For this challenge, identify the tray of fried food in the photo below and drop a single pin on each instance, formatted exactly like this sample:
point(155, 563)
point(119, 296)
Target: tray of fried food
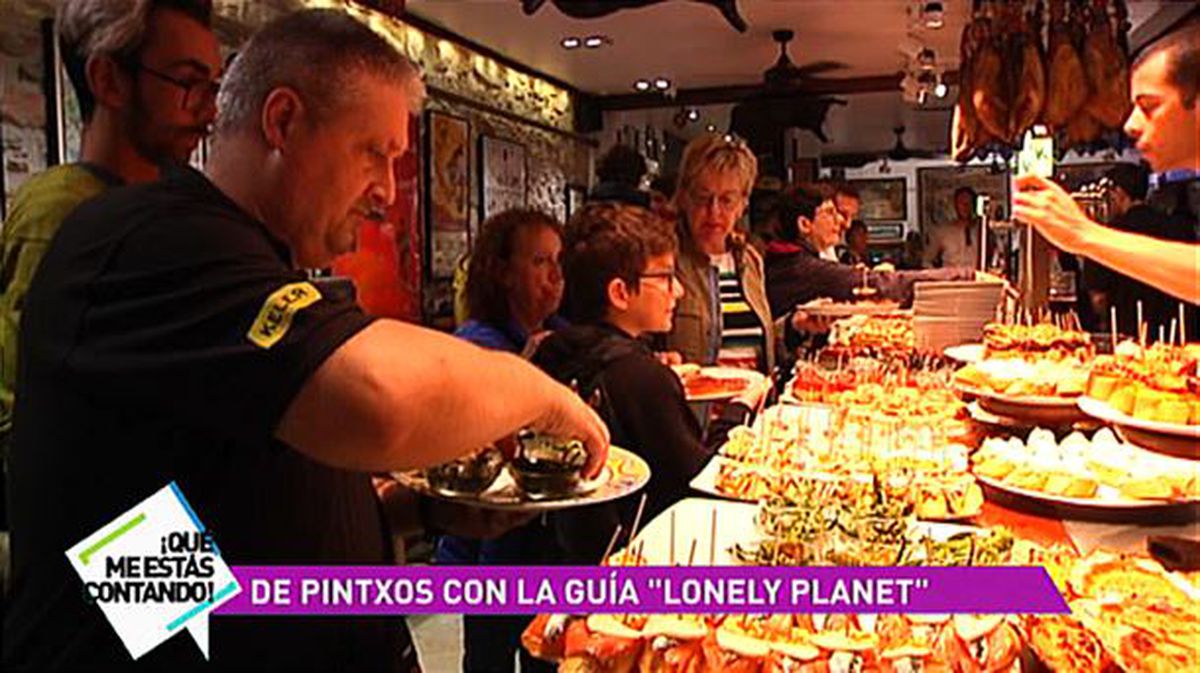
point(1043, 341)
point(873, 335)
point(1098, 471)
point(1159, 384)
point(1042, 382)
point(1146, 618)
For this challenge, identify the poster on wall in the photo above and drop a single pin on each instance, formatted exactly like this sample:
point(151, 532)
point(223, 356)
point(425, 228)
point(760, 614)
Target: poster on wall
point(448, 150)
point(936, 187)
point(882, 199)
point(502, 176)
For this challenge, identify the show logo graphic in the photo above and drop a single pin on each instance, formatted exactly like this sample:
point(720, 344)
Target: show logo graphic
point(153, 571)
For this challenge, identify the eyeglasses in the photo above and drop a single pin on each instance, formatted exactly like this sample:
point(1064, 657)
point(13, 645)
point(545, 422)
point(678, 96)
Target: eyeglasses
point(669, 275)
point(196, 92)
point(830, 208)
point(726, 201)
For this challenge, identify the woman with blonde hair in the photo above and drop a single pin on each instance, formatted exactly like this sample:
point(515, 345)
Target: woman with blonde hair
point(724, 315)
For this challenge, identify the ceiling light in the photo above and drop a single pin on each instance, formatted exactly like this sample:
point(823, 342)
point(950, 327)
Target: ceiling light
point(641, 85)
point(940, 90)
point(693, 115)
point(594, 41)
point(933, 14)
point(662, 83)
point(570, 43)
point(711, 128)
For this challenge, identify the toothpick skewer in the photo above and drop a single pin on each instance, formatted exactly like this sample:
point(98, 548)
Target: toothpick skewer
point(1182, 326)
point(712, 539)
point(692, 554)
point(1141, 326)
point(611, 543)
point(1174, 325)
point(1161, 333)
point(672, 555)
point(637, 519)
point(1112, 325)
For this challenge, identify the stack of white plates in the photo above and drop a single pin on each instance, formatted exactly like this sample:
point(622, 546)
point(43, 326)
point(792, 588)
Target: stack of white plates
point(954, 312)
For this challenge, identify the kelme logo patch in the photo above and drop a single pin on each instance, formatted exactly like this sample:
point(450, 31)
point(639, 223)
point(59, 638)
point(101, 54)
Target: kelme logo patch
point(275, 316)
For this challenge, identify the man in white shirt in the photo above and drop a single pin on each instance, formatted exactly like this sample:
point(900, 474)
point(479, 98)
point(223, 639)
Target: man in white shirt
point(957, 243)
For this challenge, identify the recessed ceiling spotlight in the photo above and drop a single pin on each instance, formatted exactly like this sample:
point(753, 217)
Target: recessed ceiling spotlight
point(570, 43)
point(662, 83)
point(711, 128)
point(940, 90)
point(594, 41)
point(693, 114)
point(642, 85)
point(933, 14)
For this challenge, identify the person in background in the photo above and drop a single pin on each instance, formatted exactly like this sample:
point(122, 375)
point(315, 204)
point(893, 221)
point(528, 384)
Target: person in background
point(145, 75)
point(723, 315)
point(621, 284)
point(856, 252)
point(619, 177)
point(514, 290)
point(171, 336)
point(849, 204)
point(1107, 288)
point(956, 244)
point(797, 274)
point(1165, 125)
point(913, 255)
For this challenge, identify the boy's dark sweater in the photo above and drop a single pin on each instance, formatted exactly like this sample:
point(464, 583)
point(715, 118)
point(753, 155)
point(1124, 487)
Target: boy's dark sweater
point(643, 403)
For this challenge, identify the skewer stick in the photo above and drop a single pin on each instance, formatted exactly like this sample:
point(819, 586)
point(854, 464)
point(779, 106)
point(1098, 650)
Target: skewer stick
point(672, 554)
point(1182, 326)
point(712, 539)
point(611, 543)
point(1141, 326)
point(1174, 325)
point(1112, 325)
point(1161, 333)
point(637, 519)
point(692, 553)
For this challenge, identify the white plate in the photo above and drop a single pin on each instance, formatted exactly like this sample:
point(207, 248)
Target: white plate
point(750, 376)
point(1031, 401)
point(847, 309)
point(966, 353)
point(706, 480)
point(624, 473)
point(1099, 503)
point(1103, 411)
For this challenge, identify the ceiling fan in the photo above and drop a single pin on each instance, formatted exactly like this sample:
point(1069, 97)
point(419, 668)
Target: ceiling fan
point(900, 152)
point(785, 74)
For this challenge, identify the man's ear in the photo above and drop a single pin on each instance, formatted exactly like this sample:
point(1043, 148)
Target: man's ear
point(618, 294)
point(281, 114)
point(111, 85)
point(803, 224)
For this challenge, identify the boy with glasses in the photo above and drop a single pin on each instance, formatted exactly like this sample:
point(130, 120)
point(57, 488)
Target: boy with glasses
point(621, 284)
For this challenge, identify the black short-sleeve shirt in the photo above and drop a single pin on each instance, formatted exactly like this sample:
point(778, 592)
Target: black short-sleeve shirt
point(163, 338)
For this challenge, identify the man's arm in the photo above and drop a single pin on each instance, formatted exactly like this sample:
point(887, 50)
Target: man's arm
point(397, 396)
point(1173, 267)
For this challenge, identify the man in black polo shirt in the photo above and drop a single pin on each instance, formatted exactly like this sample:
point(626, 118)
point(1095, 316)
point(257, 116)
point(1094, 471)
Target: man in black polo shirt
point(170, 335)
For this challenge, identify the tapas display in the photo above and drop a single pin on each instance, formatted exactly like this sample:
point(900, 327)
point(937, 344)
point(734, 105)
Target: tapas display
point(710, 384)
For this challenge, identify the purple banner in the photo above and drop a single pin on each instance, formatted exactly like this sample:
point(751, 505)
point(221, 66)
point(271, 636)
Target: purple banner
point(483, 590)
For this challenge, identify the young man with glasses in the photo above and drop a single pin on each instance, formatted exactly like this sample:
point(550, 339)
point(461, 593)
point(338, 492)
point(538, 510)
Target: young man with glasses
point(144, 74)
point(621, 284)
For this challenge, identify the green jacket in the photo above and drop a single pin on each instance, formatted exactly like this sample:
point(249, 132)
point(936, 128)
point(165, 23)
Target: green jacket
point(37, 210)
point(691, 332)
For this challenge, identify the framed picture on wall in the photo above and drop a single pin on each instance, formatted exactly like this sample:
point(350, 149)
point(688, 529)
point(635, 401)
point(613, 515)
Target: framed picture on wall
point(882, 199)
point(576, 195)
point(502, 176)
point(448, 189)
point(936, 187)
